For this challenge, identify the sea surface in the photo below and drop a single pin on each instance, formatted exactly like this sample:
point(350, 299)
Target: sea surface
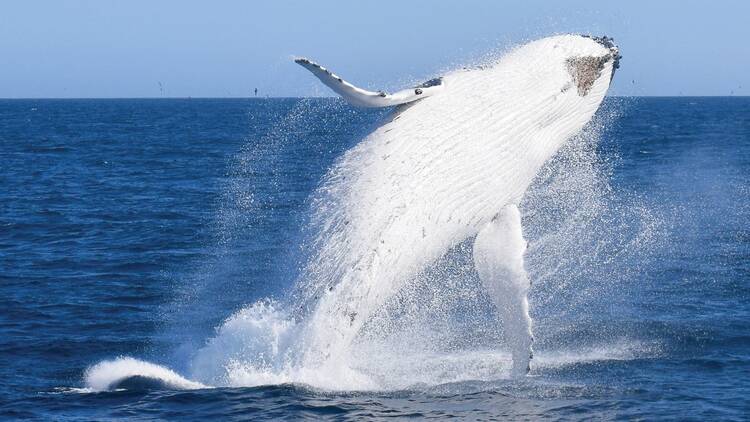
point(134, 228)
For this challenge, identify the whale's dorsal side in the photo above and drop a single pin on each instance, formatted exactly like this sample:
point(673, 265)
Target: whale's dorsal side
point(364, 98)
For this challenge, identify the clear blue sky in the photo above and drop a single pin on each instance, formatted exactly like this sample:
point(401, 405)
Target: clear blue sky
point(107, 48)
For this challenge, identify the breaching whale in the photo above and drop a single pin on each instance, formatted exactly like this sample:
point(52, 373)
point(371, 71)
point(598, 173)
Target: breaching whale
point(452, 162)
point(448, 165)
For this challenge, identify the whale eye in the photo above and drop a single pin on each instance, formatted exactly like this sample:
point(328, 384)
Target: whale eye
point(418, 91)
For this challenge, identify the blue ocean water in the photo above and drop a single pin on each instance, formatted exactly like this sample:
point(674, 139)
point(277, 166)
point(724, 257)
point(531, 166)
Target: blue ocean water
point(135, 227)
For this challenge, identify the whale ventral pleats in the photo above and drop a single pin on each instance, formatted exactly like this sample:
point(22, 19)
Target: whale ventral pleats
point(585, 71)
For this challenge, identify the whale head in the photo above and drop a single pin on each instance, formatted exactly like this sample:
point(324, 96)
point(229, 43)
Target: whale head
point(554, 84)
point(560, 63)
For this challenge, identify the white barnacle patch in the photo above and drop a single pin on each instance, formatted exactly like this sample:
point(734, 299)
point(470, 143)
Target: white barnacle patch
point(585, 71)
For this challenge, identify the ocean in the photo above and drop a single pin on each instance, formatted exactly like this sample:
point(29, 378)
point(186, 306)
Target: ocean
point(168, 236)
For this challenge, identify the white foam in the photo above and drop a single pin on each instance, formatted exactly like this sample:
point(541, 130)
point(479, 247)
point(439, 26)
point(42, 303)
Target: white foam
point(262, 345)
point(107, 374)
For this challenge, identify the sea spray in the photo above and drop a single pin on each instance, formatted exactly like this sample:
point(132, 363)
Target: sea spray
point(111, 374)
point(589, 241)
point(265, 187)
point(379, 307)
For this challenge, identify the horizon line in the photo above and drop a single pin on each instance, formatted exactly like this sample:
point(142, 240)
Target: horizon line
point(316, 97)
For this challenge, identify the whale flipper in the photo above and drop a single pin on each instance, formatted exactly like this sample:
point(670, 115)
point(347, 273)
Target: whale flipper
point(498, 258)
point(364, 98)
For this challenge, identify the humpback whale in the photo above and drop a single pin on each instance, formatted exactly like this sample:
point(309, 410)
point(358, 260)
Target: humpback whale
point(452, 162)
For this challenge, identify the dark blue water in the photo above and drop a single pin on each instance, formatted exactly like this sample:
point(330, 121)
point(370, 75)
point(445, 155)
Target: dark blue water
point(134, 227)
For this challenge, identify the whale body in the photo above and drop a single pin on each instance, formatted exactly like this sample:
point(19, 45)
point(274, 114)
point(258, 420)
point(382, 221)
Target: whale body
point(446, 167)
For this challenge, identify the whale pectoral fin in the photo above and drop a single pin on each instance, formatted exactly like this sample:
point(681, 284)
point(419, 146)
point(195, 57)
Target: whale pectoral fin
point(364, 98)
point(498, 257)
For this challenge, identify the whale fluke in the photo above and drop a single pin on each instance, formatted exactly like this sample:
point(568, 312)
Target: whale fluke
point(363, 98)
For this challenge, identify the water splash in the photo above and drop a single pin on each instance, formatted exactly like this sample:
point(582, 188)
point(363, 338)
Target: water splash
point(377, 307)
point(125, 372)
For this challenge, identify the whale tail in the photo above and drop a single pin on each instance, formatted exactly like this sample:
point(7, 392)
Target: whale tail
point(363, 98)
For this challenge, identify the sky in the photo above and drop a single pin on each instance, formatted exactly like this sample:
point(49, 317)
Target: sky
point(171, 48)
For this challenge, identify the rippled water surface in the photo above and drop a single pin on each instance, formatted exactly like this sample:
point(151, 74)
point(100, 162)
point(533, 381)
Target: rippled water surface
point(136, 227)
